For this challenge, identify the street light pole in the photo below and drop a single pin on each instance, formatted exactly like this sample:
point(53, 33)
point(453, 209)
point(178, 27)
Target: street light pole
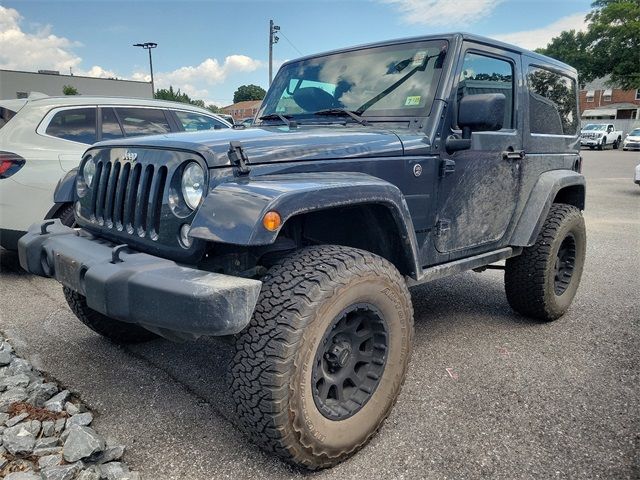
point(273, 38)
point(148, 46)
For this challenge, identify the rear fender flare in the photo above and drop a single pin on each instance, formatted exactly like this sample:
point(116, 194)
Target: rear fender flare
point(542, 196)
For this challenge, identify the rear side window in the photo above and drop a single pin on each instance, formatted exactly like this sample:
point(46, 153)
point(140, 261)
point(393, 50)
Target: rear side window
point(482, 74)
point(110, 126)
point(553, 109)
point(5, 116)
point(193, 122)
point(143, 121)
point(76, 124)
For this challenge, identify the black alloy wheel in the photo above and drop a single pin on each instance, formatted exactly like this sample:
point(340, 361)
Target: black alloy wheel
point(349, 361)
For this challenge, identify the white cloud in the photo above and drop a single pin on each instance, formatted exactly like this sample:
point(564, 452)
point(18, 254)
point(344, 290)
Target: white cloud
point(443, 12)
point(33, 51)
point(211, 72)
point(540, 37)
point(197, 81)
point(21, 50)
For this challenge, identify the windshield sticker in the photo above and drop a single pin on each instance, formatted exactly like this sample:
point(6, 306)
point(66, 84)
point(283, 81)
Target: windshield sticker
point(418, 59)
point(412, 101)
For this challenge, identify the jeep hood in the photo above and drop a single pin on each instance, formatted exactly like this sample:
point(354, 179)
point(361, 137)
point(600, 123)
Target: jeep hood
point(275, 144)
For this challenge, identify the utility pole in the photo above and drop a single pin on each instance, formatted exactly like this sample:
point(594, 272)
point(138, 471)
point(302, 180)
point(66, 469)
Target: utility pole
point(148, 46)
point(273, 38)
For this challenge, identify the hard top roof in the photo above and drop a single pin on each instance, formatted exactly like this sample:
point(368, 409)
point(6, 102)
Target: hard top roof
point(450, 36)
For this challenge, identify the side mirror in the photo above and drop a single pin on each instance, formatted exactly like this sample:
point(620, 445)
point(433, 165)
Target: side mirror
point(477, 113)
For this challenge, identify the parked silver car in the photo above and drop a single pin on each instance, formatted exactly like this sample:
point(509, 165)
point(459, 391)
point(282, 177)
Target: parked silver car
point(632, 140)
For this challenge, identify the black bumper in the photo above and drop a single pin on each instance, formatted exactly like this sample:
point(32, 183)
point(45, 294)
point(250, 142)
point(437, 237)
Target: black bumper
point(158, 294)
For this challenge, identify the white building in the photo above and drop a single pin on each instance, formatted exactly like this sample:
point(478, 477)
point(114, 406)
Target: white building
point(16, 84)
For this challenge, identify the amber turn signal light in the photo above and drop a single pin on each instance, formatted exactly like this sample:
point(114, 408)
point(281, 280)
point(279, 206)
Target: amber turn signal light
point(272, 221)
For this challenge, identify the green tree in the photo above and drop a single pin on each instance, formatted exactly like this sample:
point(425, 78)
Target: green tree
point(172, 95)
point(177, 96)
point(571, 48)
point(214, 108)
point(70, 90)
point(614, 33)
point(249, 92)
point(610, 45)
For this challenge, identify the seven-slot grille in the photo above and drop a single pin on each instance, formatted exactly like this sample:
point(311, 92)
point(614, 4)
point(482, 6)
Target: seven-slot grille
point(128, 197)
point(590, 135)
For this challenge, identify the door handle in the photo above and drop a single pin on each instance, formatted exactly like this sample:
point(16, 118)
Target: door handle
point(513, 155)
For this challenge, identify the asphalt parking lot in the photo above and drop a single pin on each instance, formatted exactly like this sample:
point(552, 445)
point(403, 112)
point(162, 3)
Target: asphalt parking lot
point(489, 393)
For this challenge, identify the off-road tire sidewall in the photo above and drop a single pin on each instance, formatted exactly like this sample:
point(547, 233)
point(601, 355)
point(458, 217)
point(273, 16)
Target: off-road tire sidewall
point(67, 216)
point(271, 374)
point(530, 276)
point(337, 438)
point(114, 330)
point(559, 304)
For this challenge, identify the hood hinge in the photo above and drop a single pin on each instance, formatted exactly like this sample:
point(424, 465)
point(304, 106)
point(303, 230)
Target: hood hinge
point(239, 158)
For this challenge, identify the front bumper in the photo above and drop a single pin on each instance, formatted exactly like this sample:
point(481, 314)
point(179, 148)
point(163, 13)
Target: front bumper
point(589, 142)
point(158, 294)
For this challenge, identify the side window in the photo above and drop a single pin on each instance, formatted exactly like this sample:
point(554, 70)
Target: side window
point(110, 126)
point(77, 124)
point(553, 109)
point(143, 121)
point(482, 74)
point(193, 122)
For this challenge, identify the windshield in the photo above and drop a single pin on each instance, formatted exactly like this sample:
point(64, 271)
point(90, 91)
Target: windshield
point(5, 116)
point(595, 127)
point(390, 81)
point(635, 133)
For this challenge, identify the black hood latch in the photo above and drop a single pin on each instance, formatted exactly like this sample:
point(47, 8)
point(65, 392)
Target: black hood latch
point(239, 158)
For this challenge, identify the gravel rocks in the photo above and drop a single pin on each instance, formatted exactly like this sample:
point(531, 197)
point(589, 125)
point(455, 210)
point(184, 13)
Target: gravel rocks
point(82, 442)
point(57, 402)
point(45, 434)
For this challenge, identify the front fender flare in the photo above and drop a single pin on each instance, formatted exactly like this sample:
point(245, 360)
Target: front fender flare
point(232, 212)
point(539, 203)
point(66, 188)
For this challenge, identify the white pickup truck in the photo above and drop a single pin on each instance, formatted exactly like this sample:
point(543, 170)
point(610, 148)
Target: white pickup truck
point(599, 135)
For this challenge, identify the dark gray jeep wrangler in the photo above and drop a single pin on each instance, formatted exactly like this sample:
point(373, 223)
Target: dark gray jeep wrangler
point(369, 169)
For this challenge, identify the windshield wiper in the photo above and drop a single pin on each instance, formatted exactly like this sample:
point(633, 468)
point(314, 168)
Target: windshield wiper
point(343, 112)
point(419, 68)
point(284, 118)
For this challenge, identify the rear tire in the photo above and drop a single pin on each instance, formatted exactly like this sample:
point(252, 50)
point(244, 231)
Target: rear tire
point(114, 330)
point(306, 338)
point(542, 281)
point(616, 143)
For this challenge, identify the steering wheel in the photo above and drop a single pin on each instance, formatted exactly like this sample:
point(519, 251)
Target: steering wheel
point(312, 99)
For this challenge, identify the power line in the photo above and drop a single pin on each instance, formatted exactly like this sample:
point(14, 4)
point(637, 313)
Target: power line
point(290, 43)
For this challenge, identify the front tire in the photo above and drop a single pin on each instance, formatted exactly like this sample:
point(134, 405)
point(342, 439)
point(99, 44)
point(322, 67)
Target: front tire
point(542, 281)
point(324, 358)
point(114, 330)
point(67, 216)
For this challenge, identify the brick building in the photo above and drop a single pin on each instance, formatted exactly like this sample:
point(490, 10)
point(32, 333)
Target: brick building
point(241, 110)
point(599, 101)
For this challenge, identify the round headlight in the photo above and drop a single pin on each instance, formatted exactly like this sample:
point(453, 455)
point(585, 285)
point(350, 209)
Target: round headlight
point(193, 185)
point(89, 171)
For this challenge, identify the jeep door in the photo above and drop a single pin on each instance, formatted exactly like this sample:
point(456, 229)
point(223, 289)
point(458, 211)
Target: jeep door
point(478, 189)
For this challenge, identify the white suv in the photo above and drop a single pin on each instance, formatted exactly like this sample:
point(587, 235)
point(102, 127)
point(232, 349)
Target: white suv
point(42, 138)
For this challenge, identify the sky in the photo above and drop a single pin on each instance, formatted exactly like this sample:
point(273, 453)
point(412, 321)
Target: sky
point(208, 48)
